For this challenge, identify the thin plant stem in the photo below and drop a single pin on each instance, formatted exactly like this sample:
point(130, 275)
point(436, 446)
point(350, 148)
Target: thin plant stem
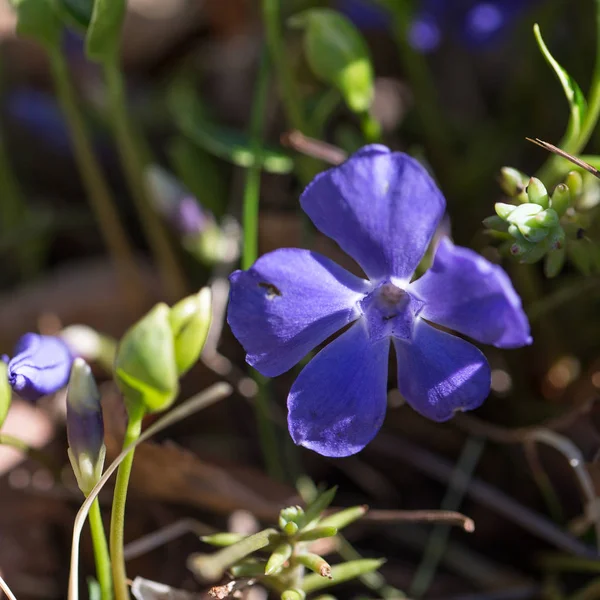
point(117, 522)
point(99, 195)
point(266, 427)
point(101, 555)
point(133, 168)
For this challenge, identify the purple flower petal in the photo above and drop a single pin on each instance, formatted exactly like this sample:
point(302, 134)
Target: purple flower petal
point(338, 403)
point(40, 366)
point(290, 301)
point(381, 207)
point(439, 373)
point(465, 292)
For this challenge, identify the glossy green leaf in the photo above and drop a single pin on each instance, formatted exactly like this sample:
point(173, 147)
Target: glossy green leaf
point(104, 32)
point(145, 365)
point(228, 144)
point(573, 93)
point(338, 54)
point(38, 20)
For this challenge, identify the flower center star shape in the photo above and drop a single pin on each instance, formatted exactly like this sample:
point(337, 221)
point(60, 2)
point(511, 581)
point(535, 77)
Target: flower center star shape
point(382, 208)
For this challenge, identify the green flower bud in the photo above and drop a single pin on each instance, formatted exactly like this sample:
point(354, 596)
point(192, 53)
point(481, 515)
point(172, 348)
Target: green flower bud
point(561, 199)
point(537, 192)
point(290, 528)
point(512, 182)
point(504, 210)
point(145, 365)
point(278, 558)
point(85, 426)
point(338, 54)
point(547, 218)
point(521, 213)
point(5, 391)
point(190, 321)
point(495, 223)
point(290, 514)
point(574, 181)
point(293, 595)
point(554, 262)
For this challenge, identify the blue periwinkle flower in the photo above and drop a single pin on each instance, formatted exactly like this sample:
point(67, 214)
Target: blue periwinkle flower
point(40, 366)
point(382, 208)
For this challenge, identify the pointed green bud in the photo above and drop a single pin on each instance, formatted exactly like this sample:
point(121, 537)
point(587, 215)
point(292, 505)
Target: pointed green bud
point(5, 391)
point(338, 54)
point(223, 539)
point(574, 181)
point(315, 509)
point(342, 573)
point(547, 218)
point(190, 321)
point(278, 558)
point(295, 594)
point(315, 563)
point(523, 212)
point(504, 210)
point(145, 365)
point(316, 533)
point(561, 199)
point(85, 426)
point(290, 528)
point(512, 182)
point(343, 518)
point(537, 192)
point(290, 514)
point(495, 223)
point(554, 262)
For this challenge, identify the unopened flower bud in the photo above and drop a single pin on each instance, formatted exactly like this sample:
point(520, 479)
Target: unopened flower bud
point(574, 181)
point(290, 514)
point(512, 182)
point(40, 366)
point(85, 426)
point(523, 212)
point(561, 199)
point(145, 365)
point(537, 192)
point(190, 321)
point(295, 594)
point(504, 210)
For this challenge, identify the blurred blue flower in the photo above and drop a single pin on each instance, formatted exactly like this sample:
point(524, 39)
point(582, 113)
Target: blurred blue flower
point(40, 366)
point(39, 113)
point(382, 208)
point(475, 22)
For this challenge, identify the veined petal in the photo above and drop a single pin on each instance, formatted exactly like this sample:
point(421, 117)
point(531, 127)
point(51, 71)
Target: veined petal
point(465, 292)
point(439, 373)
point(381, 207)
point(337, 404)
point(290, 301)
point(41, 365)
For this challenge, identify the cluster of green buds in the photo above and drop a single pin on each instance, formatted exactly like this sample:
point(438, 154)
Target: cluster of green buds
point(537, 225)
point(282, 559)
point(159, 349)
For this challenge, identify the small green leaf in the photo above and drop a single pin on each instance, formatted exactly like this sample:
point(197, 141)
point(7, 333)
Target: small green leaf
point(38, 20)
point(316, 533)
point(338, 54)
point(573, 93)
point(278, 558)
point(343, 518)
point(5, 392)
point(314, 509)
point(228, 144)
point(104, 31)
point(342, 573)
point(223, 539)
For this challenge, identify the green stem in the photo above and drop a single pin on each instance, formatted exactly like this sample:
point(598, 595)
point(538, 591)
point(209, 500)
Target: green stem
point(101, 555)
point(98, 193)
point(117, 522)
point(290, 96)
point(133, 168)
point(266, 428)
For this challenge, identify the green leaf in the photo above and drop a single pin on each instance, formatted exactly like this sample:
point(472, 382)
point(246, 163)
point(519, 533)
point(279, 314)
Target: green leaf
point(225, 143)
point(338, 54)
point(38, 20)
point(75, 12)
point(104, 32)
point(342, 573)
point(573, 93)
point(5, 392)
